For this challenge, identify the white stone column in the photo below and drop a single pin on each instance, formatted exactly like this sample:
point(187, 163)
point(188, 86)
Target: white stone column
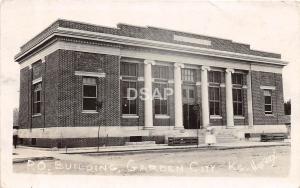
point(204, 96)
point(148, 93)
point(229, 101)
point(178, 96)
point(249, 100)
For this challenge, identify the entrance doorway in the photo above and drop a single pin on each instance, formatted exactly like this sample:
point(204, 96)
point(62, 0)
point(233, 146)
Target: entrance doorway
point(190, 116)
point(190, 108)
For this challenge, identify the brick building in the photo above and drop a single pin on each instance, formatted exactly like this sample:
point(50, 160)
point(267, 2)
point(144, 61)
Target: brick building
point(74, 80)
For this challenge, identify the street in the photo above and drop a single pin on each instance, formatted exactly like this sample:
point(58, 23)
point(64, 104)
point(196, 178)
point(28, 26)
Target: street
point(260, 161)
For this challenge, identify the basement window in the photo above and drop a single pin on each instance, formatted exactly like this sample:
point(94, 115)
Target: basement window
point(89, 94)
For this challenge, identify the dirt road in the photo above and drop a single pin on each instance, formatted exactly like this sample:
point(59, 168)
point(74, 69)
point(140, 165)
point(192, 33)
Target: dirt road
point(264, 161)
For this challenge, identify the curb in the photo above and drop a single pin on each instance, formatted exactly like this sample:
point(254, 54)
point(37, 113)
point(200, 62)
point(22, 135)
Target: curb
point(139, 151)
point(135, 151)
point(24, 160)
point(245, 147)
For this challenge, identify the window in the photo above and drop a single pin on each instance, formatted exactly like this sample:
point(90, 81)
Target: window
point(128, 69)
point(160, 72)
point(237, 102)
point(214, 76)
point(268, 101)
point(129, 100)
point(191, 94)
point(188, 75)
point(214, 100)
point(161, 106)
point(161, 102)
point(37, 88)
point(129, 104)
point(237, 79)
point(188, 92)
point(237, 94)
point(89, 94)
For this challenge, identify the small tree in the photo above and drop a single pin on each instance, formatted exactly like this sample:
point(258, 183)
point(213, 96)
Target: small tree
point(287, 107)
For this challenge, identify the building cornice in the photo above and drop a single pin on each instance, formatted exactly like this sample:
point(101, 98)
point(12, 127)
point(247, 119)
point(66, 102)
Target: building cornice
point(194, 61)
point(130, 41)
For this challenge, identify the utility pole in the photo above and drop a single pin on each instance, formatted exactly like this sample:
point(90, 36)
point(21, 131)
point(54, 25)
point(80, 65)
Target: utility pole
point(99, 107)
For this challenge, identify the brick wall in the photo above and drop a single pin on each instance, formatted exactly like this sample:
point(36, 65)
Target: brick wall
point(70, 90)
point(62, 90)
point(49, 73)
point(51, 85)
point(24, 102)
point(267, 79)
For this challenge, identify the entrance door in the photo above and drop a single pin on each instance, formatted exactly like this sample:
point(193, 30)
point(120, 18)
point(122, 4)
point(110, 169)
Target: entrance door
point(190, 116)
point(190, 109)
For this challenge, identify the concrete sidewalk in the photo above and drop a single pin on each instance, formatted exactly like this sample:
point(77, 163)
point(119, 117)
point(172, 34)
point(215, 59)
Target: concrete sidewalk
point(165, 147)
point(23, 153)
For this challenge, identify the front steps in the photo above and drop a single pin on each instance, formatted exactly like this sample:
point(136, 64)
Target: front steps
point(226, 138)
point(221, 138)
point(143, 143)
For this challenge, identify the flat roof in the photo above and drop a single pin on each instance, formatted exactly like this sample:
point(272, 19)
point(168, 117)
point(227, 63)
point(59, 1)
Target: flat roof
point(150, 33)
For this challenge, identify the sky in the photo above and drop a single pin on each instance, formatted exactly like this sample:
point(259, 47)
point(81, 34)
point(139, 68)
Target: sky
point(266, 26)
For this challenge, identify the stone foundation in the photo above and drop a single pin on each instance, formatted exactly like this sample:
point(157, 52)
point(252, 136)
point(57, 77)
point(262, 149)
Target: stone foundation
point(117, 136)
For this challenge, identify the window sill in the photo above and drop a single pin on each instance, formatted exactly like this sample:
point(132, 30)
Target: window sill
point(215, 117)
point(36, 115)
point(271, 115)
point(162, 116)
point(189, 81)
point(239, 117)
point(129, 116)
point(89, 112)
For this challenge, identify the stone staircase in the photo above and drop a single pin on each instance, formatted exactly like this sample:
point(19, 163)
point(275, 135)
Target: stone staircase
point(226, 138)
point(201, 139)
point(222, 136)
point(143, 143)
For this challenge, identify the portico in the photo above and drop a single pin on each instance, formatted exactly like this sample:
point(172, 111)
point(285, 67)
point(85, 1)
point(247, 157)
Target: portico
point(204, 95)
